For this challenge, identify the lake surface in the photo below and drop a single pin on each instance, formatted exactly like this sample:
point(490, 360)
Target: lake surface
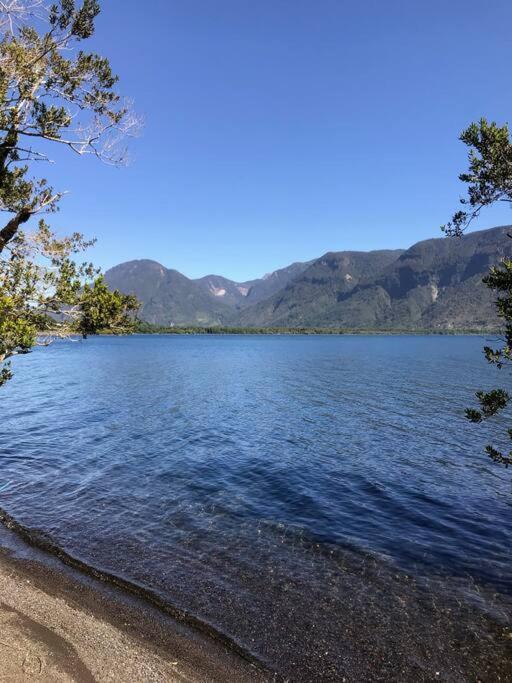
point(239, 476)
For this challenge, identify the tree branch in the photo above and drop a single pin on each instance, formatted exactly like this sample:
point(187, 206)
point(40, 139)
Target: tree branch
point(12, 227)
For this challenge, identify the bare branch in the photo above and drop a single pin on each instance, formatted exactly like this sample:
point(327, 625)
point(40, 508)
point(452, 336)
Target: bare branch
point(14, 13)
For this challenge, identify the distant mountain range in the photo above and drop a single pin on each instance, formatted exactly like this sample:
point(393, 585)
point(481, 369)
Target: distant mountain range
point(435, 284)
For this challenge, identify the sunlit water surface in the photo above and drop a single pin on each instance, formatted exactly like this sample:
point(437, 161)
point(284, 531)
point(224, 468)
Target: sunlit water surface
point(219, 469)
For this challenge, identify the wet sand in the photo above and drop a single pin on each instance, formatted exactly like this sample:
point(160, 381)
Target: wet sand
point(58, 624)
point(56, 628)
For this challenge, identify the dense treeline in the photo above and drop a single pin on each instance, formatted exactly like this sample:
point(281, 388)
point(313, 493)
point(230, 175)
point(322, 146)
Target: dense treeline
point(148, 328)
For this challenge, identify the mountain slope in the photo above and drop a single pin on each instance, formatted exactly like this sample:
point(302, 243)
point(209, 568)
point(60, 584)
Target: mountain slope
point(305, 299)
point(167, 296)
point(242, 294)
point(434, 284)
point(438, 282)
point(226, 291)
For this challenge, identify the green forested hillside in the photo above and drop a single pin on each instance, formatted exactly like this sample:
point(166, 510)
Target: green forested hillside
point(435, 284)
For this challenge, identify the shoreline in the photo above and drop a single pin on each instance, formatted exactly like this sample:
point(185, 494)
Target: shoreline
point(147, 329)
point(313, 601)
point(48, 551)
point(219, 330)
point(301, 333)
point(59, 625)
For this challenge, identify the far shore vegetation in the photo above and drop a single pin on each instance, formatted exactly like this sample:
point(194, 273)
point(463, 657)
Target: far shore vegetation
point(147, 328)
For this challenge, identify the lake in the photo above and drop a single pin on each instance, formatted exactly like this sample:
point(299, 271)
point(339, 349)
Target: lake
point(267, 484)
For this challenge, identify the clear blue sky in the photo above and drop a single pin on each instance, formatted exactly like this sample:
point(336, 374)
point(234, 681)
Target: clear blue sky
point(277, 130)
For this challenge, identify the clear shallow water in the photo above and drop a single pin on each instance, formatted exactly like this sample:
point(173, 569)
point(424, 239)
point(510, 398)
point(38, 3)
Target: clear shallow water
point(232, 474)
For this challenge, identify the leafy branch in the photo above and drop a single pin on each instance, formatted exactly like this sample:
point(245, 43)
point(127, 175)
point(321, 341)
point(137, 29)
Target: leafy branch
point(489, 180)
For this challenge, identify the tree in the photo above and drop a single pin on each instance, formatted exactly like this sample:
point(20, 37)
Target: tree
point(489, 180)
point(45, 295)
point(52, 93)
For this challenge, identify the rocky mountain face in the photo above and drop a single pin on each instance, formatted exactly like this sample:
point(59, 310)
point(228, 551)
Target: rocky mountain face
point(436, 283)
point(240, 295)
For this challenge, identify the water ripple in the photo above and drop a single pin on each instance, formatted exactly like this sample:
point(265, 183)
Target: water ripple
point(194, 465)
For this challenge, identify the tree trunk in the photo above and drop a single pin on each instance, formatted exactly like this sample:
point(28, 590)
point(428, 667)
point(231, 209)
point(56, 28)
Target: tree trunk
point(7, 145)
point(7, 233)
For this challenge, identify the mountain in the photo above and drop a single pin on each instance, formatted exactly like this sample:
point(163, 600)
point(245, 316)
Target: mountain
point(274, 282)
point(308, 298)
point(233, 294)
point(168, 297)
point(242, 294)
point(436, 283)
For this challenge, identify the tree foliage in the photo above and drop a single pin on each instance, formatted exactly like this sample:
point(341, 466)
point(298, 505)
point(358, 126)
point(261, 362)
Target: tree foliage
point(489, 180)
point(489, 176)
point(45, 295)
point(52, 93)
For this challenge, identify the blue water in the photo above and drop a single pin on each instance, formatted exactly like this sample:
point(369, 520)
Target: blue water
point(203, 466)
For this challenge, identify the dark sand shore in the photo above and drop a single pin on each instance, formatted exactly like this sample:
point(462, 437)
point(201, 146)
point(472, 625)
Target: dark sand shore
point(57, 624)
point(56, 627)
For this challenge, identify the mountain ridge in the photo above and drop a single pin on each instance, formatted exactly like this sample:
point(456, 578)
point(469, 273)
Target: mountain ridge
point(436, 283)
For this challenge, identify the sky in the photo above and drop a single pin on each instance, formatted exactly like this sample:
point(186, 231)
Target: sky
point(277, 130)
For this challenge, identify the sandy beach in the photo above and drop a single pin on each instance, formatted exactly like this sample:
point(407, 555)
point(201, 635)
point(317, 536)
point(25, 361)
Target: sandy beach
point(58, 625)
point(56, 628)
